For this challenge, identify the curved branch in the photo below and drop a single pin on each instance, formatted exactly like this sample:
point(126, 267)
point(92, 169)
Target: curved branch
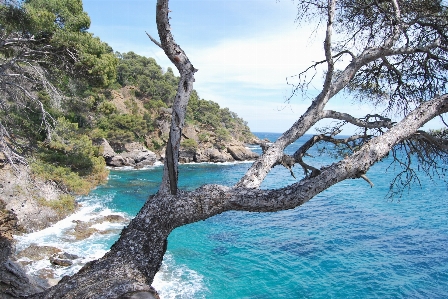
point(135, 258)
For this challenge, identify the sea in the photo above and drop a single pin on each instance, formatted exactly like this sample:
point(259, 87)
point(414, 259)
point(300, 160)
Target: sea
point(350, 241)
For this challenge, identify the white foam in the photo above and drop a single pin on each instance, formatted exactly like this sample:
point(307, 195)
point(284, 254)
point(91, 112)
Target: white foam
point(178, 281)
point(219, 163)
point(106, 225)
point(146, 167)
point(94, 247)
point(172, 281)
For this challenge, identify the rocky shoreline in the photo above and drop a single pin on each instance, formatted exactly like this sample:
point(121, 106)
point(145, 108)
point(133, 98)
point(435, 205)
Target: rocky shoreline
point(24, 209)
point(137, 155)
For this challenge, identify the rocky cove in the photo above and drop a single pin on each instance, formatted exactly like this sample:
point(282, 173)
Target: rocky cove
point(199, 144)
point(24, 209)
point(137, 155)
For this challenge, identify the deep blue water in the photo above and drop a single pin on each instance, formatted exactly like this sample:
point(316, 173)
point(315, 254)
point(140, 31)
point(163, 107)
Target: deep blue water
point(350, 241)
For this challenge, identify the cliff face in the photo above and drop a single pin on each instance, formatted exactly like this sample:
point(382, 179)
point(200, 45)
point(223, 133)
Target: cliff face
point(25, 206)
point(36, 203)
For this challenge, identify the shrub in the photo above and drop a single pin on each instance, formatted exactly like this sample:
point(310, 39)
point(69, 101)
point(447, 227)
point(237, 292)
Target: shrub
point(204, 137)
point(222, 135)
point(189, 144)
point(63, 206)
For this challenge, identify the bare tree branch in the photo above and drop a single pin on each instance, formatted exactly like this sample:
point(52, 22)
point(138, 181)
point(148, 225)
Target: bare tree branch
point(154, 40)
point(186, 70)
point(383, 122)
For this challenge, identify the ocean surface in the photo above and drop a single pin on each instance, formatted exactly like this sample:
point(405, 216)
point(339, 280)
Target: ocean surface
point(350, 241)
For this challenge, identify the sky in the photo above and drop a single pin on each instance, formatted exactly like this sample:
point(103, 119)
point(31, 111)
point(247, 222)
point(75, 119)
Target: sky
point(244, 50)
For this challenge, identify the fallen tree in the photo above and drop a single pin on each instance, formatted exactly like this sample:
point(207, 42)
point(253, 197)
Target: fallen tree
point(398, 56)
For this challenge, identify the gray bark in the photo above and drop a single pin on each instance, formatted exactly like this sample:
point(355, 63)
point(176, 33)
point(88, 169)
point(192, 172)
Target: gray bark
point(186, 70)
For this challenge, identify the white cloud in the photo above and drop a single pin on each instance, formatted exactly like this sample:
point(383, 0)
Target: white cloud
point(263, 61)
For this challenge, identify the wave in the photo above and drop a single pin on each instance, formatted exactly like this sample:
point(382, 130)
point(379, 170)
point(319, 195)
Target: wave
point(178, 281)
point(60, 235)
point(219, 163)
point(171, 281)
point(155, 165)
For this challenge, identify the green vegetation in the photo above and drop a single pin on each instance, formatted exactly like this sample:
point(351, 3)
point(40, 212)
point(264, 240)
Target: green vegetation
point(70, 159)
point(211, 116)
point(88, 93)
point(63, 206)
point(189, 144)
point(145, 73)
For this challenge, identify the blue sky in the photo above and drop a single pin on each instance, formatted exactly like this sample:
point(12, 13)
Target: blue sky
point(244, 50)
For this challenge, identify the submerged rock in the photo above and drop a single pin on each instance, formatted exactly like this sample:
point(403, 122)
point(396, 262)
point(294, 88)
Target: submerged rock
point(83, 230)
point(60, 262)
point(63, 259)
point(35, 252)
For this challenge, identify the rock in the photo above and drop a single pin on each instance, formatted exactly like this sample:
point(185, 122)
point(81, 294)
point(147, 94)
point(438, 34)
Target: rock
point(14, 282)
point(214, 155)
point(8, 225)
point(116, 161)
point(60, 262)
point(48, 275)
point(150, 294)
point(135, 155)
point(240, 153)
point(114, 218)
point(190, 132)
point(67, 256)
point(21, 193)
point(108, 151)
point(135, 146)
point(200, 156)
point(186, 155)
point(35, 252)
point(2, 160)
point(83, 230)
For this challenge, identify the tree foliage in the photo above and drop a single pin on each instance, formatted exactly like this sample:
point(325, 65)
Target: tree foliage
point(211, 115)
point(145, 73)
point(45, 52)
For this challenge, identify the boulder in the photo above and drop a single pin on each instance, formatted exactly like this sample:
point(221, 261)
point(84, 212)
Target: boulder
point(113, 218)
point(63, 259)
point(187, 155)
point(200, 156)
point(60, 262)
point(214, 155)
point(140, 157)
point(67, 256)
point(190, 132)
point(135, 155)
point(108, 151)
point(240, 153)
point(35, 252)
point(116, 161)
point(83, 230)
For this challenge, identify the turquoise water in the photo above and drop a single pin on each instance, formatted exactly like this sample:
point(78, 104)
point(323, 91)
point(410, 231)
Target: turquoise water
point(348, 242)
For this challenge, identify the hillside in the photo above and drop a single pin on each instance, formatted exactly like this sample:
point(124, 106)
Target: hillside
point(138, 110)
